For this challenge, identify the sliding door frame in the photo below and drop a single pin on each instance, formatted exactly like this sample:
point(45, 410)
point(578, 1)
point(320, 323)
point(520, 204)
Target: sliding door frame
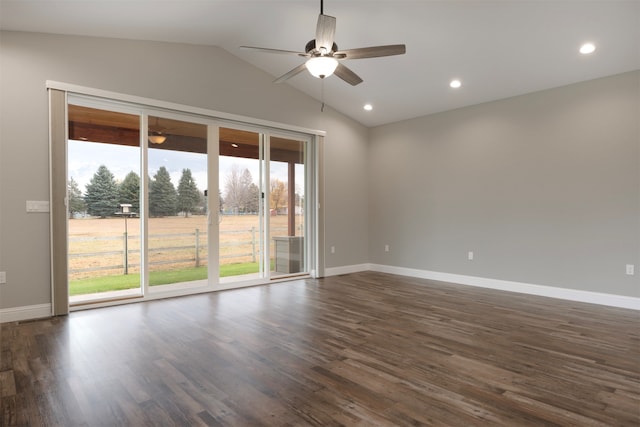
point(212, 202)
point(58, 205)
point(309, 190)
point(58, 101)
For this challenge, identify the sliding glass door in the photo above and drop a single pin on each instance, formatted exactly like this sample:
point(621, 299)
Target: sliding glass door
point(163, 203)
point(138, 215)
point(287, 224)
point(241, 216)
point(262, 197)
point(177, 212)
point(103, 202)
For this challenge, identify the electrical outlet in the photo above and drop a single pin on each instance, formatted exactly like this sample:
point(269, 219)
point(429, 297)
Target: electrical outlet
point(386, 248)
point(333, 249)
point(630, 269)
point(470, 255)
point(3, 277)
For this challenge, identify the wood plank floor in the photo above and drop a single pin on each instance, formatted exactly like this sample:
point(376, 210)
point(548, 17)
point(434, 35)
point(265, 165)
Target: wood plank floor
point(360, 349)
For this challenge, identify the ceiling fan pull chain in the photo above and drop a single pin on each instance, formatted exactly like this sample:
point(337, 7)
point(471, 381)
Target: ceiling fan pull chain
point(322, 95)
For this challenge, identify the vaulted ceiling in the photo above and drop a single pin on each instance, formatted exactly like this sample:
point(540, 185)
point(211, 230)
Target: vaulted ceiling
point(497, 49)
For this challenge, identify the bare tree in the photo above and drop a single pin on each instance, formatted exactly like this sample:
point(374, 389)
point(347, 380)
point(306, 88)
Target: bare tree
point(238, 189)
point(278, 194)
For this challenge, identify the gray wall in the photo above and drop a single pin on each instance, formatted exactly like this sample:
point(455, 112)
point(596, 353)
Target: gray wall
point(544, 188)
point(198, 76)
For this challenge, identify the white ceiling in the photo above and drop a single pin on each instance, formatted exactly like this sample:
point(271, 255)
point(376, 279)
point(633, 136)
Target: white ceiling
point(497, 49)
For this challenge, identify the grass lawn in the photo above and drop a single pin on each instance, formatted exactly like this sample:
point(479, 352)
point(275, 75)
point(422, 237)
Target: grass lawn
point(130, 281)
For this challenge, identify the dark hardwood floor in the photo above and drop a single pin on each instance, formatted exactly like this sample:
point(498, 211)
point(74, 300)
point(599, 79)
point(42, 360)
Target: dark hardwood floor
point(360, 349)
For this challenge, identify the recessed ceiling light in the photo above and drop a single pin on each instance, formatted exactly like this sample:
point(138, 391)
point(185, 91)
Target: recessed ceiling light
point(587, 48)
point(455, 84)
point(368, 107)
point(234, 145)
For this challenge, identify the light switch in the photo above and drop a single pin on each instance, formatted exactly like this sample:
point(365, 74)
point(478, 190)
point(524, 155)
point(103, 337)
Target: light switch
point(37, 206)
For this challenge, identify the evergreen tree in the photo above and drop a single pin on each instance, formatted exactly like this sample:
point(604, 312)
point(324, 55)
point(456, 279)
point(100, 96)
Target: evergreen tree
point(76, 202)
point(201, 207)
point(101, 196)
point(188, 193)
point(129, 191)
point(162, 194)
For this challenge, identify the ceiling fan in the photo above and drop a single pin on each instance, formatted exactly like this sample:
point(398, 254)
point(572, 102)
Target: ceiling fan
point(324, 55)
point(157, 133)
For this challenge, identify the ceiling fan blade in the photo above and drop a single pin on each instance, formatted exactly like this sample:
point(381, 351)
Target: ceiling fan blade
point(300, 68)
point(347, 75)
point(325, 32)
point(371, 52)
point(278, 51)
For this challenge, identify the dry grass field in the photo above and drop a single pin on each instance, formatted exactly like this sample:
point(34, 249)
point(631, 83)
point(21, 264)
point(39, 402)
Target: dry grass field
point(97, 244)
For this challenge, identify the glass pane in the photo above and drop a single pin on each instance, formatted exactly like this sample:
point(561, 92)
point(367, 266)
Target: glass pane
point(103, 189)
point(287, 215)
point(177, 225)
point(240, 208)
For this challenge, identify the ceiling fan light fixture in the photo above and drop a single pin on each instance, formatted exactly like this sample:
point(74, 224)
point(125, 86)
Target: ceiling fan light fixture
point(321, 66)
point(157, 139)
point(587, 48)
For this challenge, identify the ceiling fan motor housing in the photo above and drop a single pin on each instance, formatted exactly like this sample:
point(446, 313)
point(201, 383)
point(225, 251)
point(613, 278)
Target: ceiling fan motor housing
point(311, 47)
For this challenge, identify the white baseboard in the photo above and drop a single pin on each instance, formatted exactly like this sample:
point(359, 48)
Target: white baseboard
point(524, 288)
point(38, 311)
point(346, 269)
point(28, 312)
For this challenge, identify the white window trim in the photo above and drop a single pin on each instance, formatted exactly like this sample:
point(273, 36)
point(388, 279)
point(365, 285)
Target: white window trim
point(165, 105)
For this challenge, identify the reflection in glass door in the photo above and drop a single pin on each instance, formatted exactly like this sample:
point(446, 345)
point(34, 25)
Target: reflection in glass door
point(287, 224)
point(178, 238)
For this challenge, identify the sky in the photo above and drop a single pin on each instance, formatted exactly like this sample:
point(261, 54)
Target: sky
point(84, 159)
